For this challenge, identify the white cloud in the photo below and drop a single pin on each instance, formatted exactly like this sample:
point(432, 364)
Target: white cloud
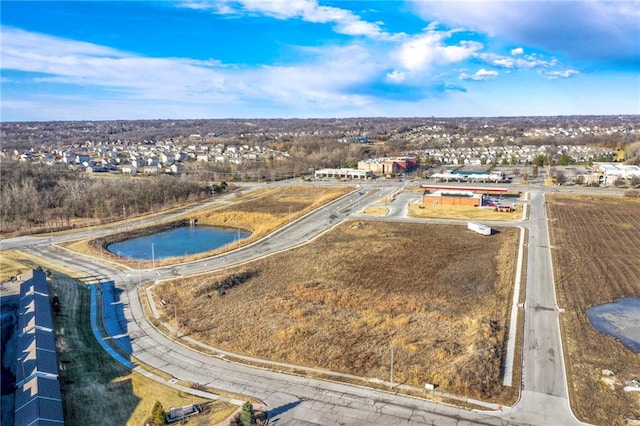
point(326, 79)
point(16, 42)
point(396, 76)
point(480, 75)
point(529, 61)
point(92, 68)
point(343, 20)
point(517, 51)
point(592, 30)
point(426, 50)
point(554, 75)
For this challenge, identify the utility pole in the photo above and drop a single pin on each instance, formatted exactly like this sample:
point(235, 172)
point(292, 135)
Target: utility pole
point(175, 315)
point(391, 386)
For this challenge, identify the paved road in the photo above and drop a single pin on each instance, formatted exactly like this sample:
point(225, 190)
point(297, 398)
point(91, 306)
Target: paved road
point(544, 399)
point(299, 400)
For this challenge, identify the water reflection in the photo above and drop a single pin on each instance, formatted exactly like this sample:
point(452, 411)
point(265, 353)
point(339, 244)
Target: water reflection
point(176, 242)
point(620, 319)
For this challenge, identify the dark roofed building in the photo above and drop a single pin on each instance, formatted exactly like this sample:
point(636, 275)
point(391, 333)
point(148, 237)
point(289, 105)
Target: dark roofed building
point(35, 311)
point(38, 284)
point(38, 400)
point(36, 355)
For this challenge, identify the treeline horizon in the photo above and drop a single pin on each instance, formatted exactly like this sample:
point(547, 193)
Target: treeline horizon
point(260, 130)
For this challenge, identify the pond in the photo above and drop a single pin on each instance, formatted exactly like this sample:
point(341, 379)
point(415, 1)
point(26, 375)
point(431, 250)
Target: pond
point(176, 242)
point(620, 320)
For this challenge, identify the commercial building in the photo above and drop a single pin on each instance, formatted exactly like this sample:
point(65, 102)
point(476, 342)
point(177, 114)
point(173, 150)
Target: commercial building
point(472, 189)
point(389, 165)
point(468, 176)
point(452, 198)
point(343, 174)
point(611, 172)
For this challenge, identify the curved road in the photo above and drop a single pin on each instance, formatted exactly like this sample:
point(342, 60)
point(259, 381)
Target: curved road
point(295, 400)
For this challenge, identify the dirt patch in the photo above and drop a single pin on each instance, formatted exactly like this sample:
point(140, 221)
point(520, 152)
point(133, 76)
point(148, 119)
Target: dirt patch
point(596, 244)
point(439, 295)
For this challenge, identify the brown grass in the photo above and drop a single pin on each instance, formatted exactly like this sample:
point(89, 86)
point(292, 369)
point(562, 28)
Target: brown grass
point(596, 259)
point(10, 266)
point(376, 211)
point(262, 214)
point(258, 212)
point(439, 295)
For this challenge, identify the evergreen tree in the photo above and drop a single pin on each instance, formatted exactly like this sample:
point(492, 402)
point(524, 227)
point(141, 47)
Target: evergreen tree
point(248, 415)
point(157, 414)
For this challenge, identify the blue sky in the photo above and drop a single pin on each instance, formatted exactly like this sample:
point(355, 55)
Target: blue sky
point(101, 60)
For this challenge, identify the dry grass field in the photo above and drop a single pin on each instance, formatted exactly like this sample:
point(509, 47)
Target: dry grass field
point(9, 266)
point(596, 257)
point(439, 295)
point(258, 212)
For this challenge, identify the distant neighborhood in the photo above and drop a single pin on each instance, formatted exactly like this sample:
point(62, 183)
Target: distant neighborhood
point(436, 148)
point(147, 157)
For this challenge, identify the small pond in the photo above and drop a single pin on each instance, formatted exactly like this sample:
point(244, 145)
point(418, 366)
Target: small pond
point(176, 242)
point(620, 319)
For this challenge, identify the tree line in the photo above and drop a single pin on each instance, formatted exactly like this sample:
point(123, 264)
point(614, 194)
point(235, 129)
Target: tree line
point(41, 198)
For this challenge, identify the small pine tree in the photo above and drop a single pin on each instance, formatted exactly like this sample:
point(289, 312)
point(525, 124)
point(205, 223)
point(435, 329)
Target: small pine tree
point(157, 414)
point(248, 415)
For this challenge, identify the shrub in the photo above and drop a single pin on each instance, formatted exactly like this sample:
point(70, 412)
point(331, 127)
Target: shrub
point(157, 414)
point(226, 284)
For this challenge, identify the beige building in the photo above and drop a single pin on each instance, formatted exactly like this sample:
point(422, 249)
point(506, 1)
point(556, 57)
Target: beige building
point(343, 174)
